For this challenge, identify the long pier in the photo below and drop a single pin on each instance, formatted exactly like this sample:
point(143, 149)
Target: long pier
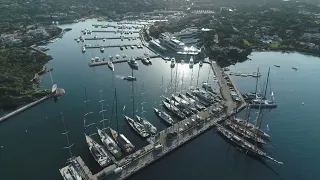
point(120, 60)
point(117, 31)
point(111, 46)
point(101, 38)
point(5, 117)
point(180, 133)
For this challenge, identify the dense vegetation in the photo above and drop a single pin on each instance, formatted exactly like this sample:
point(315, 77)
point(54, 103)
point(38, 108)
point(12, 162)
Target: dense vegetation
point(18, 66)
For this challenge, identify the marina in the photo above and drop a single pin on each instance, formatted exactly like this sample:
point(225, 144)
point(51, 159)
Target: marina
point(112, 46)
point(101, 38)
point(120, 60)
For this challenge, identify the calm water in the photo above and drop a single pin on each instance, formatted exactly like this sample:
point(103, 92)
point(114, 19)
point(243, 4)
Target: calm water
point(33, 144)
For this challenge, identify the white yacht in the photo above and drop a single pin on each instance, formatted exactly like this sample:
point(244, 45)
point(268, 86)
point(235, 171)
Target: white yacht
point(96, 59)
point(133, 63)
point(191, 63)
point(102, 49)
point(109, 143)
point(98, 152)
point(122, 140)
point(148, 126)
point(173, 62)
point(110, 65)
point(83, 49)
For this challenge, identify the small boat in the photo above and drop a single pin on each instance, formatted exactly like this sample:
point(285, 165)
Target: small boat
point(78, 40)
point(132, 47)
point(96, 59)
point(207, 86)
point(137, 127)
point(121, 48)
point(98, 152)
point(133, 63)
point(173, 62)
point(145, 61)
point(200, 63)
point(102, 49)
point(276, 65)
point(182, 62)
point(83, 49)
point(149, 127)
point(164, 116)
point(166, 58)
point(118, 56)
point(122, 141)
point(295, 68)
point(126, 47)
point(110, 65)
point(191, 63)
point(103, 40)
point(124, 56)
point(95, 37)
point(130, 78)
point(109, 143)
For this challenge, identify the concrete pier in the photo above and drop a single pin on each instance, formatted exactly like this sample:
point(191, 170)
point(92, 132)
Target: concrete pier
point(5, 117)
point(117, 31)
point(111, 46)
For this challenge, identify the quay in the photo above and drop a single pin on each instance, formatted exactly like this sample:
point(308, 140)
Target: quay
point(101, 38)
point(120, 60)
point(5, 117)
point(111, 46)
point(174, 136)
point(118, 31)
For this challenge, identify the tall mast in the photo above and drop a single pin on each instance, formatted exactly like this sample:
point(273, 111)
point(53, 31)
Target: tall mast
point(89, 112)
point(182, 81)
point(162, 92)
point(51, 77)
point(66, 133)
point(265, 91)
point(257, 79)
point(198, 76)
point(102, 110)
point(175, 86)
point(116, 102)
point(209, 74)
point(132, 90)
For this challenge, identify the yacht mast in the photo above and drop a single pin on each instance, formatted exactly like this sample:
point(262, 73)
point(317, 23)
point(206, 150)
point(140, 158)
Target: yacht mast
point(132, 90)
point(257, 79)
point(175, 85)
point(66, 133)
point(102, 110)
point(266, 88)
point(116, 102)
point(209, 73)
point(198, 76)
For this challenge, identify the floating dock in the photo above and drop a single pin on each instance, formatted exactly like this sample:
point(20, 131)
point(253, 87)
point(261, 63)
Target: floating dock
point(120, 60)
point(101, 38)
point(111, 46)
point(180, 133)
point(114, 31)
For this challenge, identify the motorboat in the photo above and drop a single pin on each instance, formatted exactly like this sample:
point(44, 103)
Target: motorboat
point(83, 49)
point(164, 116)
point(110, 65)
point(118, 56)
point(200, 63)
point(149, 127)
point(98, 152)
point(137, 127)
point(133, 63)
point(102, 49)
point(96, 59)
point(191, 62)
point(207, 86)
point(173, 62)
point(130, 78)
point(109, 143)
point(145, 61)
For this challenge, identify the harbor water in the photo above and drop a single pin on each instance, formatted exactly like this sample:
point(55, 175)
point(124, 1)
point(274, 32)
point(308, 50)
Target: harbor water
point(31, 143)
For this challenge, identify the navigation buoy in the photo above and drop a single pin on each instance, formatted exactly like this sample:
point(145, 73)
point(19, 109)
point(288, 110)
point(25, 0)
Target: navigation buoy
point(302, 103)
point(26, 130)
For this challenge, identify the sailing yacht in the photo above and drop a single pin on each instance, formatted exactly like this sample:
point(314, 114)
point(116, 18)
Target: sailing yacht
point(137, 127)
point(174, 110)
point(109, 143)
point(242, 131)
point(262, 101)
point(148, 126)
point(98, 152)
point(251, 128)
point(164, 116)
point(122, 141)
point(192, 101)
point(191, 62)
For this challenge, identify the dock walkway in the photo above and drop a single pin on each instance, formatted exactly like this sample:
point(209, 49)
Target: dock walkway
point(5, 117)
point(114, 31)
point(101, 38)
point(111, 46)
point(120, 60)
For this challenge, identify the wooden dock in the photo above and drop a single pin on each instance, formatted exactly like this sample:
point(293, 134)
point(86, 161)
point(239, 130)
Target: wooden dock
point(120, 60)
point(184, 131)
